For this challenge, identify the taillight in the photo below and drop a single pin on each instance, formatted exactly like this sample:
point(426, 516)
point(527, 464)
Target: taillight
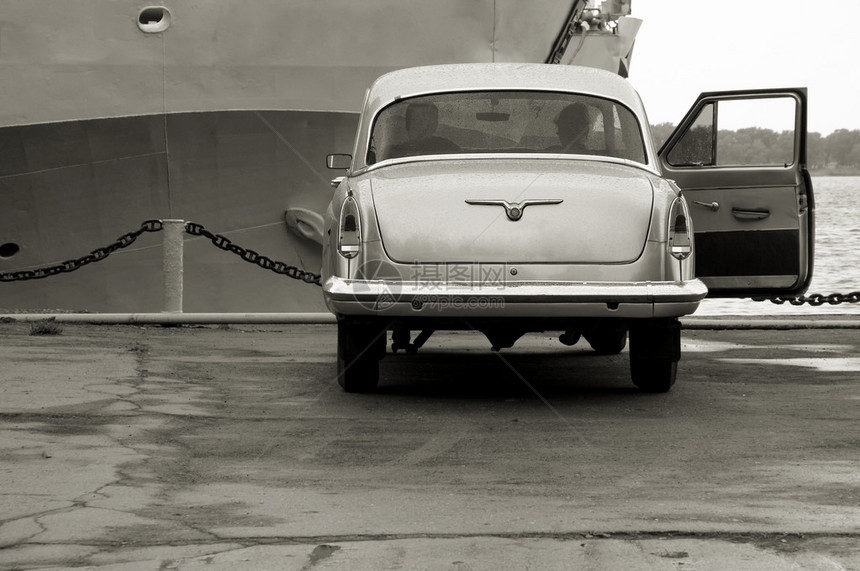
point(680, 237)
point(349, 242)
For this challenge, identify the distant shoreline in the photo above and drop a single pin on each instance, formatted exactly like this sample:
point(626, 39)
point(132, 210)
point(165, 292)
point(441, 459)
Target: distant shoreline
point(846, 171)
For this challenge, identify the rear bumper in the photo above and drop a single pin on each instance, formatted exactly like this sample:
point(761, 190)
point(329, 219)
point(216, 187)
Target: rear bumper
point(527, 299)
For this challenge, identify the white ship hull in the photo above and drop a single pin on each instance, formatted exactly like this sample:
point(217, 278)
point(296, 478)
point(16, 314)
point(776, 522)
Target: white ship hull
point(223, 119)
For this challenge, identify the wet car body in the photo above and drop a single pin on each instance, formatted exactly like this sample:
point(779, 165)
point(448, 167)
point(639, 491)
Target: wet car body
point(504, 223)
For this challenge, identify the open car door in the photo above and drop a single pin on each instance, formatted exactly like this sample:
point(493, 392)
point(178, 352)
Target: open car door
point(749, 193)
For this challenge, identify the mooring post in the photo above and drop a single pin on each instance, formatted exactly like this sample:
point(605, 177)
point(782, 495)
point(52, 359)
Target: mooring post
point(174, 232)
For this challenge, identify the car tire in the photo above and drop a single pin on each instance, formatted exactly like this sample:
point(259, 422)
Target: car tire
point(360, 346)
point(653, 375)
point(655, 349)
point(607, 338)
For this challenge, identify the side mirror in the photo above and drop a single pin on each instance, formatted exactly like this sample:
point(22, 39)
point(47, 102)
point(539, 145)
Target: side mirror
point(338, 161)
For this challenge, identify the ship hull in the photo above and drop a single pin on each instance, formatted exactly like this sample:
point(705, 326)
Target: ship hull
point(78, 185)
point(224, 118)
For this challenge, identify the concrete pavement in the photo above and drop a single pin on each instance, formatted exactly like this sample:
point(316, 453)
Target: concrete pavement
point(147, 447)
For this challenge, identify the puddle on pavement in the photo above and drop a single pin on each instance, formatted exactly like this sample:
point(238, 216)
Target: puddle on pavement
point(823, 364)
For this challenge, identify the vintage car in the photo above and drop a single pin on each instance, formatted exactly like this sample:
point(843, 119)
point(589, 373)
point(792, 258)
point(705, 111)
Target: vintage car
point(513, 198)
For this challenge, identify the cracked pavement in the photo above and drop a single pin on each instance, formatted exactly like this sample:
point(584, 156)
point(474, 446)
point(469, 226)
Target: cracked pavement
point(130, 447)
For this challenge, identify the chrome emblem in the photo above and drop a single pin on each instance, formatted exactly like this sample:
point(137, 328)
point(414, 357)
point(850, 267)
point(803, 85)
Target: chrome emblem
point(514, 210)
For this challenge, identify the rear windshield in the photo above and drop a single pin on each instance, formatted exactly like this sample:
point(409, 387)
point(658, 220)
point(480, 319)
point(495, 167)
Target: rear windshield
point(506, 122)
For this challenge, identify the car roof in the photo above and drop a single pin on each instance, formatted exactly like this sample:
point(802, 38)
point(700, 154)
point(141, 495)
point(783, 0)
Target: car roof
point(414, 81)
point(501, 76)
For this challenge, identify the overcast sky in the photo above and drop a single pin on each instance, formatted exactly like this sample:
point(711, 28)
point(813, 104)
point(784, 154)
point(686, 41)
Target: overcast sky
point(688, 46)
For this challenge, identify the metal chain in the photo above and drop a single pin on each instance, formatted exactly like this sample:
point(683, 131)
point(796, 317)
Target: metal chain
point(297, 273)
point(154, 226)
point(815, 299)
point(96, 255)
point(251, 256)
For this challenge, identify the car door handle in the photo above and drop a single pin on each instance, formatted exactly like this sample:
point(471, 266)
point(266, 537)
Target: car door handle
point(712, 205)
point(744, 214)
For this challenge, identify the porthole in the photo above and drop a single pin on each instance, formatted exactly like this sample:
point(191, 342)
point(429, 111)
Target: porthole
point(153, 19)
point(9, 249)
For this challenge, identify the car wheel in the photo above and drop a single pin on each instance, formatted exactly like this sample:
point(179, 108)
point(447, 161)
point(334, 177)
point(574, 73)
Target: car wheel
point(653, 375)
point(607, 338)
point(655, 349)
point(360, 346)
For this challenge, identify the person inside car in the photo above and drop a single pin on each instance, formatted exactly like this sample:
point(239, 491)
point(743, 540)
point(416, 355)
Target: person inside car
point(572, 126)
point(422, 119)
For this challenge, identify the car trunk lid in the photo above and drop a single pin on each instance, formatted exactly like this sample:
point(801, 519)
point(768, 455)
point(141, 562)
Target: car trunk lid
point(600, 215)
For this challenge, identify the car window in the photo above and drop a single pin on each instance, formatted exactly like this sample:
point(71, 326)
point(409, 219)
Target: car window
point(506, 122)
point(696, 145)
point(730, 133)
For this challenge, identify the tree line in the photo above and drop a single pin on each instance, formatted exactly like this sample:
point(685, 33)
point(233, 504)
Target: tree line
point(838, 152)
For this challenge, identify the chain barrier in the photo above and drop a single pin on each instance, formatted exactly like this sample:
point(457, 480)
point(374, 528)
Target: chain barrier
point(294, 272)
point(251, 256)
point(96, 255)
point(815, 299)
point(154, 226)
